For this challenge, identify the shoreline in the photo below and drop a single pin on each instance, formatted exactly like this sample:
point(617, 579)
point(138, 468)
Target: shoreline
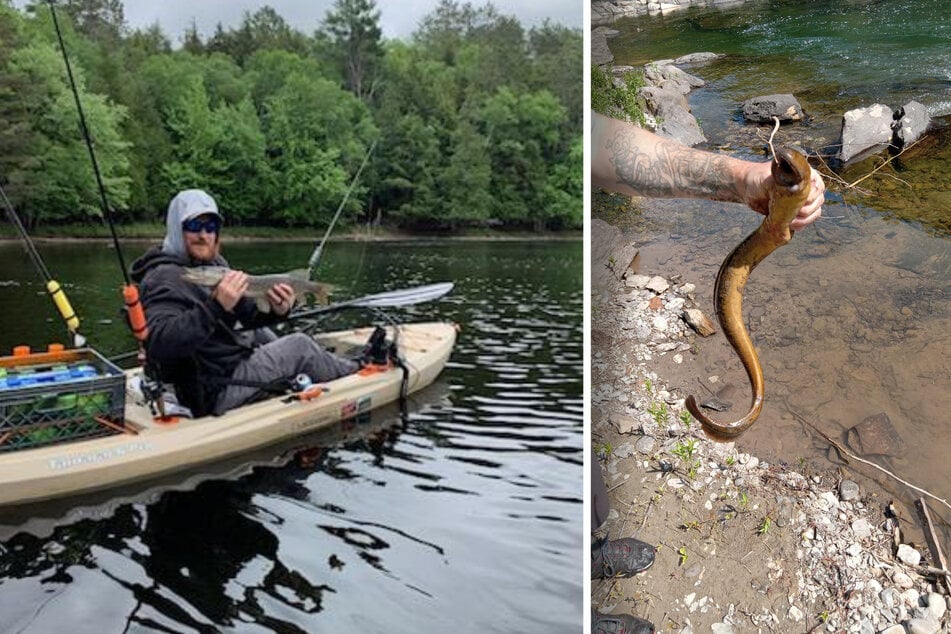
point(744, 544)
point(566, 236)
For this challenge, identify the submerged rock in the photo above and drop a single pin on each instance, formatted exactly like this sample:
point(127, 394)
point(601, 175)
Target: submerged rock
point(876, 436)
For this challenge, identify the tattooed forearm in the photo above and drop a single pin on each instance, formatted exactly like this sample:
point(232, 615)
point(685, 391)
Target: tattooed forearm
point(670, 170)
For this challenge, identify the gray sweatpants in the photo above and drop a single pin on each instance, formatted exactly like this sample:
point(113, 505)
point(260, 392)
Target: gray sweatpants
point(283, 358)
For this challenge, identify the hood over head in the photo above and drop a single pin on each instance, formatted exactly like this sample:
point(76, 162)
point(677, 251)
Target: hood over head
point(184, 206)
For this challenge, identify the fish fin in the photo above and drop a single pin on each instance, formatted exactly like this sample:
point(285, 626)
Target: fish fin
point(321, 292)
point(299, 274)
point(263, 304)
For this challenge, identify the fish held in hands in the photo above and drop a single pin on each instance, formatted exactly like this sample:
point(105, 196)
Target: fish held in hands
point(259, 285)
point(791, 176)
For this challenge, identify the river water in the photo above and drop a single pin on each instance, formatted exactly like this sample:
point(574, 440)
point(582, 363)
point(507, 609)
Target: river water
point(462, 514)
point(853, 318)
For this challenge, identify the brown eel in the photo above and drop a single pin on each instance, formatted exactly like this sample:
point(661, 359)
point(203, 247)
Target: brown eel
point(791, 176)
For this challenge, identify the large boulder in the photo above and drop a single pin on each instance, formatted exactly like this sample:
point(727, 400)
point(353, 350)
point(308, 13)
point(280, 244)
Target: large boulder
point(865, 131)
point(600, 53)
point(911, 121)
point(611, 255)
point(674, 121)
point(666, 74)
point(763, 109)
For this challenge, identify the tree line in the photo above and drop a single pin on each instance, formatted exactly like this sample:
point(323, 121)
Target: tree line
point(474, 120)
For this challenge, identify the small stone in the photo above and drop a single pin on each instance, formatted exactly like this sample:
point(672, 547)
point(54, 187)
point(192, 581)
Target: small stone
point(637, 281)
point(675, 304)
point(795, 614)
point(688, 288)
point(902, 580)
point(848, 490)
point(645, 445)
point(624, 424)
point(910, 597)
point(699, 322)
point(909, 555)
point(855, 549)
point(678, 358)
point(890, 597)
point(659, 323)
point(894, 629)
point(657, 284)
point(655, 304)
point(861, 529)
point(722, 628)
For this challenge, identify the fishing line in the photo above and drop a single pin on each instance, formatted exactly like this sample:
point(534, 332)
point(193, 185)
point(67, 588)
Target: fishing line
point(57, 294)
point(104, 204)
point(315, 256)
point(130, 292)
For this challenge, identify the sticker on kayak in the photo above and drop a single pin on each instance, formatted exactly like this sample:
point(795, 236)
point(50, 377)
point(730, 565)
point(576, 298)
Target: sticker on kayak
point(359, 406)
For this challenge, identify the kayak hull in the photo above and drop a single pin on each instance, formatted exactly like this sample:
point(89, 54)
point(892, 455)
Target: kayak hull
point(153, 448)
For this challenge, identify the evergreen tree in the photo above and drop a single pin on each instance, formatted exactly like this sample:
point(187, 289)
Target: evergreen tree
point(354, 27)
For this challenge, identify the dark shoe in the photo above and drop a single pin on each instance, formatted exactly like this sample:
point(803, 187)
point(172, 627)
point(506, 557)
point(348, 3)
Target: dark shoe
point(619, 624)
point(623, 557)
point(377, 349)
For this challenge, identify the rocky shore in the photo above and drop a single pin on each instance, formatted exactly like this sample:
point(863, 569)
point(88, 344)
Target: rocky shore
point(744, 545)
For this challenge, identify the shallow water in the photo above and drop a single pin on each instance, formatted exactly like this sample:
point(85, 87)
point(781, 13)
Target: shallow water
point(833, 56)
point(465, 514)
point(852, 318)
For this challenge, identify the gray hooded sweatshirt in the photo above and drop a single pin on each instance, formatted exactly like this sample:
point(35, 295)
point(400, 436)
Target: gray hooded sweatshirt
point(186, 205)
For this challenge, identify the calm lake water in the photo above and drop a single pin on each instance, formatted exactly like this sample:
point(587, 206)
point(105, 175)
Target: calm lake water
point(464, 514)
point(853, 318)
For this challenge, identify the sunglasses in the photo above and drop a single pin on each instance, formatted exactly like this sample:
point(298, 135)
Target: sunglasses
point(196, 225)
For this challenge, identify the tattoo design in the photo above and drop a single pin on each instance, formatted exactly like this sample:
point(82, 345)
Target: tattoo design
point(671, 171)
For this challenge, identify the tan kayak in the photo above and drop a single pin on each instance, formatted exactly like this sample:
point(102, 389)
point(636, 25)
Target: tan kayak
point(154, 448)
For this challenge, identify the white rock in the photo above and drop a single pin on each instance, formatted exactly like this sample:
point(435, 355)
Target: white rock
point(908, 555)
point(659, 323)
point(937, 605)
point(910, 597)
point(894, 629)
point(657, 284)
point(722, 628)
point(902, 580)
point(855, 549)
point(923, 626)
point(861, 529)
point(637, 281)
point(795, 614)
point(690, 598)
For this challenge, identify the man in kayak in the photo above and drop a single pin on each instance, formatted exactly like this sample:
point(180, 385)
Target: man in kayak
point(194, 337)
point(630, 160)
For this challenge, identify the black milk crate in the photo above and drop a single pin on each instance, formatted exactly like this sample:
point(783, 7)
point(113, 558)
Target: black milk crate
point(76, 394)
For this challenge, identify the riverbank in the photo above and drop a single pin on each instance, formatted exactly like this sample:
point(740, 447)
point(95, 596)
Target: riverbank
point(745, 543)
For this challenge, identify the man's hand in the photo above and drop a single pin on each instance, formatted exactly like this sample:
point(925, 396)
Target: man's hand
point(230, 289)
point(759, 181)
point(281, 298)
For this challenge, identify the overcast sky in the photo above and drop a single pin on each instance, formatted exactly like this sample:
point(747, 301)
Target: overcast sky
point(398, 18)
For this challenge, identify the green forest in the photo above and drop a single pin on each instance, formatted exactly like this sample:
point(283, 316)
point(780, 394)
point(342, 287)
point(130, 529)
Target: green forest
point(473, 121)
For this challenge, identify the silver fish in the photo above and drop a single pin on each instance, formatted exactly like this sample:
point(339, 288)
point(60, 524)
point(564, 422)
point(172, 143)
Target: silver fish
point(259, 285)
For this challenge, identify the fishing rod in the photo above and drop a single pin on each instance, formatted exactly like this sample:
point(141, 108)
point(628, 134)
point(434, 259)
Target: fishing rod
point(53, 287)
point(130, 292)
point(318, 252)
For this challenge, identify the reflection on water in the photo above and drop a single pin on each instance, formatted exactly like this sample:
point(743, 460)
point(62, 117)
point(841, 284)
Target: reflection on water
point(466, 516)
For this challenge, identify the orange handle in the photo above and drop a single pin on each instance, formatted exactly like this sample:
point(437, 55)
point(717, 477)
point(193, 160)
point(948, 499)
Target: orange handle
point(137, 321)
